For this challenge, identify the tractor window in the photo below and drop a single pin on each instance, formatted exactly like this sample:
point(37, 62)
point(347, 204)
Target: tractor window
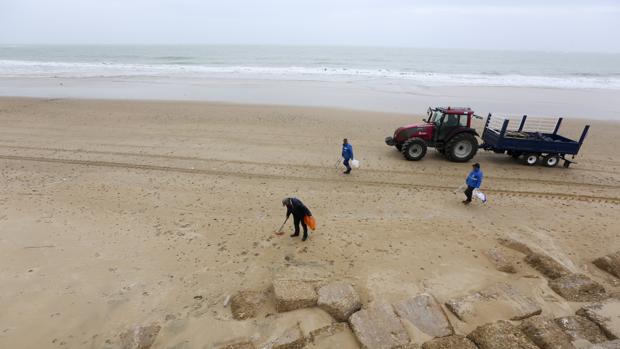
point(451, 120)
point(463, 120)
point(436, 117)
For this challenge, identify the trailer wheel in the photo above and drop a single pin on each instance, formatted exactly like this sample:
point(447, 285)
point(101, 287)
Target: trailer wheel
point(551, 160)
point(530, 159)
point(414, 149)
point(461, 148)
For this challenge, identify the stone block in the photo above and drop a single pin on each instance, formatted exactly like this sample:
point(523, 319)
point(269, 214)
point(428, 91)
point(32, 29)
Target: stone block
point(514, 304)
point(606, 315)
point(615, 344)
point(578, 288)
point(500, 335)
point(610, 263)
point(294, 294)
point(580, 328)
point(292, 338)
point(245, 304)
point(378, 327)
point(500, 261)
point(423, 312)
point(237, 345)
point(546, 333)
point(139, 337)
point(450, 342)
point(339, 299)
point(547, 265)
point(515, 245)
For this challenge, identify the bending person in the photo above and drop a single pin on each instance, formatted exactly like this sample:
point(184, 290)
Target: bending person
point(297, 208)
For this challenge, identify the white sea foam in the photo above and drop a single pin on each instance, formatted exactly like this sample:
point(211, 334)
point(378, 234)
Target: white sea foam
point(41, 69)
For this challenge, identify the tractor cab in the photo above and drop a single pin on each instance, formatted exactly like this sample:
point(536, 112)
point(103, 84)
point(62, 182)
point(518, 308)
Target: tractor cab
point(446, 129)
point(447, 120)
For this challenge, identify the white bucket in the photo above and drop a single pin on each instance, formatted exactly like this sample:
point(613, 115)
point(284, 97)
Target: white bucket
point(355, 163)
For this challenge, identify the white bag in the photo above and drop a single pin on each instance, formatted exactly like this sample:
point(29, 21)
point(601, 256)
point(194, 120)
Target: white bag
point(480, 196)
point(355, 163)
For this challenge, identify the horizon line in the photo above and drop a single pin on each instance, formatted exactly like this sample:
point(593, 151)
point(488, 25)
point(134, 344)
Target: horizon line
point(316, 45)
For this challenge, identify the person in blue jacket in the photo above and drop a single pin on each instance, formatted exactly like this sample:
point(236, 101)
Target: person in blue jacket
point(473, 181)
point(347, 154)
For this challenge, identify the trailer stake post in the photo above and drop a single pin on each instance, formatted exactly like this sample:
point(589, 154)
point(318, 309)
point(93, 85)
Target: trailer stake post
point(584, 134)
point(522, 123)
point(504, 127)
point(557, 126)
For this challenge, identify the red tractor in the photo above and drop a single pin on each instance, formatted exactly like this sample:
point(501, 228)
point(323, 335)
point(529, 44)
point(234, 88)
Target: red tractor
point(448, 130)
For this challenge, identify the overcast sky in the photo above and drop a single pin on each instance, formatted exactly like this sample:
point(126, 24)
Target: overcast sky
point(566, 25)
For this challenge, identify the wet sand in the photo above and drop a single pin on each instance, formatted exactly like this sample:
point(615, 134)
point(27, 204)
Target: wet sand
point(381, 95)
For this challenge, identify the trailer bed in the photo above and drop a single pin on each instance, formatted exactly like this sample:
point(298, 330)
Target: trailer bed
point(542, 140)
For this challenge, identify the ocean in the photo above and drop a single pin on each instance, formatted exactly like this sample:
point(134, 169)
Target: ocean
point(423, 67)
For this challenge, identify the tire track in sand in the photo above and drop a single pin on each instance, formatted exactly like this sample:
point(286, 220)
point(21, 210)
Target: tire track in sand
point(315, 167)
point(145, 167)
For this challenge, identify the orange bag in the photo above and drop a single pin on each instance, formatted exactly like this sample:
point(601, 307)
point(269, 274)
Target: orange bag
point(310, 222)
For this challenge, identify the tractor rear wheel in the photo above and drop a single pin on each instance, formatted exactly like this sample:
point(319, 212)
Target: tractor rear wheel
point(461, 148)
point(530, 159)
point(414, 149)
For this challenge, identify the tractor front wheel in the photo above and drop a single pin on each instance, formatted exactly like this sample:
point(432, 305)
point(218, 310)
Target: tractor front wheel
point(461, 148)
point(414, 149)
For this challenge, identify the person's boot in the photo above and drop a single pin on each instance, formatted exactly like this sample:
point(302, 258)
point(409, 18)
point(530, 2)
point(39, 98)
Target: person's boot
point(305, 237)
point(295, 234)
point(347, 171)
point(466, 202)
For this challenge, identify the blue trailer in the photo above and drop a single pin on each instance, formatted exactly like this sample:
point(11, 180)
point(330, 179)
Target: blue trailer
point(531, 141)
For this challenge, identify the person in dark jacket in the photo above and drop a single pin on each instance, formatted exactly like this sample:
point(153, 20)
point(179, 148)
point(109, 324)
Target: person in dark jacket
point(297, 208)
point(473, 181)
point(347, 154)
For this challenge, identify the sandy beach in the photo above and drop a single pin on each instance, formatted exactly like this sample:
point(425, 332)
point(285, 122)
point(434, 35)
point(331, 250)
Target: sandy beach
point(116, 214)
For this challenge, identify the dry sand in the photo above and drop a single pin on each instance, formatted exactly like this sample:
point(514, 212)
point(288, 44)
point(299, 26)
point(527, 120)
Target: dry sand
point(114, 214)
